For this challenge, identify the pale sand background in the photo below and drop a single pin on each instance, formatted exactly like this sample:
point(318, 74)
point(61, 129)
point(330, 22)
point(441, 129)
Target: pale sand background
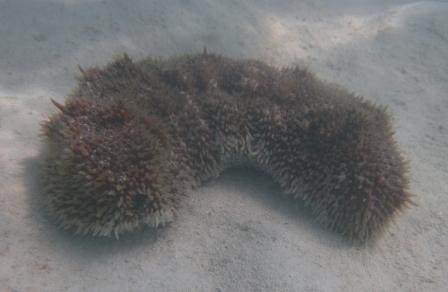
point(235, 234)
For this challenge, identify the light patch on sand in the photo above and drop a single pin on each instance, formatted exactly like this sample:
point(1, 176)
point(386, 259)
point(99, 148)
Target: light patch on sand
point(293, 37)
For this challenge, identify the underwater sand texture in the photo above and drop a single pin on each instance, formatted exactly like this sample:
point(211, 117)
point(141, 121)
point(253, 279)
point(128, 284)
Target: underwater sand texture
point(235, 233)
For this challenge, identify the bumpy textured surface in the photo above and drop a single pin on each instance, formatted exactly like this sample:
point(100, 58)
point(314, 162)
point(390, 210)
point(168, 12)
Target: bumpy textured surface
point(134, 137)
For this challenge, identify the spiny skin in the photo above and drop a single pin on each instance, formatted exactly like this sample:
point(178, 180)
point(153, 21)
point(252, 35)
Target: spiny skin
point(168, 125)
point(100, 169)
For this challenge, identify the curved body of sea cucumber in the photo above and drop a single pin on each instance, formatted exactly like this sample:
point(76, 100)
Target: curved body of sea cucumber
point(135, 136)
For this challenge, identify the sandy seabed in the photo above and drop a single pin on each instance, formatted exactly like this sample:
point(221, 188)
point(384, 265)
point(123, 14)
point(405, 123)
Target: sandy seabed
point(236, 233)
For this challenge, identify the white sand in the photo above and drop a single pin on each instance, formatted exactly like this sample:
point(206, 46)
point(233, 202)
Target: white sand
point(237, 233)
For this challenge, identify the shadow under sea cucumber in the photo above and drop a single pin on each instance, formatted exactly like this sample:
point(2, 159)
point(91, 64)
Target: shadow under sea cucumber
point(134, 137)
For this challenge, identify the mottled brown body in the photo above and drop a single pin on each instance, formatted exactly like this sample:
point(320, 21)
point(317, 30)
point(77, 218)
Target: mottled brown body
point(134, 137)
